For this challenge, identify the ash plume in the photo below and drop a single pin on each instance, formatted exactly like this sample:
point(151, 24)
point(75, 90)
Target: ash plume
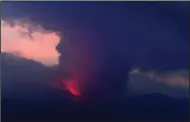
point(100, 46)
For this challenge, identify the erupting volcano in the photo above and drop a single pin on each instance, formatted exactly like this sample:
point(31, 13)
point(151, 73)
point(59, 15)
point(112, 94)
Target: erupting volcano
point(72, 87)
point(94, 70)
point(69, 85)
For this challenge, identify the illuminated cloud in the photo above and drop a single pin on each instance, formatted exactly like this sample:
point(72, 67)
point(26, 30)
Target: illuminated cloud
point(177, 78)
point(30, 41)
point(172, 78)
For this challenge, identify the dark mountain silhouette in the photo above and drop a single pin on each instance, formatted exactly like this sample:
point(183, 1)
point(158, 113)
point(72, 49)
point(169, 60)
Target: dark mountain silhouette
point(140, 84)
point(21, 76)
point(145, 107)
point(158, 107)
point(26, 96)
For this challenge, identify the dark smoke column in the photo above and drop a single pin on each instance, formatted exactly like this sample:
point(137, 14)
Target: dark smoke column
point(95, 64)
point(98, 46)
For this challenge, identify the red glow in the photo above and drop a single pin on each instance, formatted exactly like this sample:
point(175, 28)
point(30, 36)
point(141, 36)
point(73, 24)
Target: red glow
point(69, 85)
point(72, 87)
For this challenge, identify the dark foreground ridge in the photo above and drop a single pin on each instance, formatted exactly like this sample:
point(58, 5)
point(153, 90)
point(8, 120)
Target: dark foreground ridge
point(32, 101)
point(146, 107)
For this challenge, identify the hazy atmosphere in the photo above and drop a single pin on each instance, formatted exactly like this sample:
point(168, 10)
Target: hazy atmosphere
point(70, 56)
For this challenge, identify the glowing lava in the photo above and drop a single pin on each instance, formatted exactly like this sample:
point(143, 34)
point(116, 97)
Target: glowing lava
point(72, 87)
point(69, 85)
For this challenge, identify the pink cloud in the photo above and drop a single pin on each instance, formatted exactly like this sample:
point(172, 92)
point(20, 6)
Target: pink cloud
point(30, 41)
point(172, 78)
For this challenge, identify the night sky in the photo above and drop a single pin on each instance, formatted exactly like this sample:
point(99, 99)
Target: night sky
point(156, 33)
point(91, 45)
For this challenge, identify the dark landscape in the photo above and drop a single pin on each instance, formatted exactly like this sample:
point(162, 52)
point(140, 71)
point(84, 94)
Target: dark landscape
point(41, 102)
point(95, 61)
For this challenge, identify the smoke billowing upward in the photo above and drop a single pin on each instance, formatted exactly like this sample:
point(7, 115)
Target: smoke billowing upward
point(100, 46)
point(87, 60)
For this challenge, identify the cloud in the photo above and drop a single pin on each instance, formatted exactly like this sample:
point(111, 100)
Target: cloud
point(30, 41)
point(179, 78)
point(171, 83)
point(176, 78)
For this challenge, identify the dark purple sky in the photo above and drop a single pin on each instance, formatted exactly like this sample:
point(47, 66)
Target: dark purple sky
point(149, 35)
